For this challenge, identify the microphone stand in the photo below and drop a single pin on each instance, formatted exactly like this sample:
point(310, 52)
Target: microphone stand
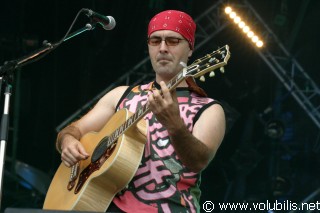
point(6, 76)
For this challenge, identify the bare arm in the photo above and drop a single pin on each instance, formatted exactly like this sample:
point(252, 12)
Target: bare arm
point(194, 149)
point(68, 142)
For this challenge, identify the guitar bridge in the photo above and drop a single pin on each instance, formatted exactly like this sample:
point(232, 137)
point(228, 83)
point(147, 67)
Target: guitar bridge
point(73, 176)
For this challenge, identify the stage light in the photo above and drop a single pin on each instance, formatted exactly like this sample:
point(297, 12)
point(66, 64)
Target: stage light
point(274, 129)
point(228, 10)
point(250, 34)
point(259, 43)
point(233, 15)
point(237, 19)
point(246, 29)
point(244, 26)
point(255, 39)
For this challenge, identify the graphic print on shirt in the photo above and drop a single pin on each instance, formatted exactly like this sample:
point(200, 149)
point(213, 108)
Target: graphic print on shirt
point(162, 181)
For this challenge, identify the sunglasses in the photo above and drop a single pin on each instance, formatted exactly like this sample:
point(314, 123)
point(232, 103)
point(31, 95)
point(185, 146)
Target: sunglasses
point(170, 41)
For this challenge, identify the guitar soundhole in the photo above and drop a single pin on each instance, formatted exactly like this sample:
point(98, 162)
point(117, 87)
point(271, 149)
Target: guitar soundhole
point(101, 148)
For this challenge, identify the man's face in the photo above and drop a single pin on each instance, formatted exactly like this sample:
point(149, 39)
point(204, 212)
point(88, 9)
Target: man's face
point(165, 59)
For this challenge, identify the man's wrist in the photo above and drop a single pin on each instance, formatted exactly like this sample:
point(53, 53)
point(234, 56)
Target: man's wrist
point(177, 129)
point(67, 131)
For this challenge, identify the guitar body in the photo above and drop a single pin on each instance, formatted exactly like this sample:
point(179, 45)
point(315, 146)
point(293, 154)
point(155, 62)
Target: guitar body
point(102, 185)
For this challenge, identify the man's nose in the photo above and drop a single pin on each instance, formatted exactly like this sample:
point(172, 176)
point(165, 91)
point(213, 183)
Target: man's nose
point(163, 46)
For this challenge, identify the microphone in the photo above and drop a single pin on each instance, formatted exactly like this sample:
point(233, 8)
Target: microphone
point(107, 22)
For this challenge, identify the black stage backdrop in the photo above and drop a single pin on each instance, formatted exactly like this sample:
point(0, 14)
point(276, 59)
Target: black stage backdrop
point(250, 165)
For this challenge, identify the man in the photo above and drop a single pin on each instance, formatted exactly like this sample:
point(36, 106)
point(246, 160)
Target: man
point(185, 128)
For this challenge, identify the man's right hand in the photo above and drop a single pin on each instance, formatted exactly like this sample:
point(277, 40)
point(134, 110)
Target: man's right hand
point(72, 151)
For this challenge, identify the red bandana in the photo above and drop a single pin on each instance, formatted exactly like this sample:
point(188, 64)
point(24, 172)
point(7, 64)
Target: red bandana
point(174, 20)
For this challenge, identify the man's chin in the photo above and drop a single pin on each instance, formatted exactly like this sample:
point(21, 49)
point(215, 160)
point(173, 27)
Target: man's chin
point(165, 73)
point(163, 69)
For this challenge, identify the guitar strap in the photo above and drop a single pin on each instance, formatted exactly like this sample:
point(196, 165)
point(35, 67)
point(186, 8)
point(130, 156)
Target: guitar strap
point(194, 87)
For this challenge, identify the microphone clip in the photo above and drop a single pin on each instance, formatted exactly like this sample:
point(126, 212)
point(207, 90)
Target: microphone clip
point(107, 22)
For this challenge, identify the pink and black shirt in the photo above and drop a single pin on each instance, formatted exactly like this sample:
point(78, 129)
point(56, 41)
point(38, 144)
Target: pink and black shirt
point(162, 183)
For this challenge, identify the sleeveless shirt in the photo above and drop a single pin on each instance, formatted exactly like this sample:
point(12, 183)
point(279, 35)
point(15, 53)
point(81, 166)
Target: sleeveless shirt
point(162, 183)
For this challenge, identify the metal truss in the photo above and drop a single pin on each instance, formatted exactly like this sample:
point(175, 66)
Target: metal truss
point(278, 59)
point(287, 69)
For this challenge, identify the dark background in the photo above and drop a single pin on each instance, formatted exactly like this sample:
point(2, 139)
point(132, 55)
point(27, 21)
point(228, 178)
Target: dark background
point(250, 166)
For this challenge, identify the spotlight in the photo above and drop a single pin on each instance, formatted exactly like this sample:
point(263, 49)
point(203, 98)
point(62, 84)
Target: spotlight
point(259, 43)
point(233, 15)
point(274, 129)
point(246, 29)
point(237, 19)
point(255, 39)
point(242, 24)
point(250, 34)
point(228, 10)
point(281, 186)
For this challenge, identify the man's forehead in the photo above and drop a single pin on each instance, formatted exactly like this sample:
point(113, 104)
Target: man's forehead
point(161, 33)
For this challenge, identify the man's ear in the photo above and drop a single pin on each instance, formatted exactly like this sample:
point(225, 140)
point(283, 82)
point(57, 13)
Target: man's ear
point(190, 53)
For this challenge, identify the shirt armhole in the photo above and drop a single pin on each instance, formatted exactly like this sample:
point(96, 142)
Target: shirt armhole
point(197, 116)
point(124, 95)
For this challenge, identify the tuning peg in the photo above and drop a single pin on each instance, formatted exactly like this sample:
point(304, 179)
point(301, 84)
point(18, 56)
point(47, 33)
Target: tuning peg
point(202, 78)
point(222, 69)
point(212, 74)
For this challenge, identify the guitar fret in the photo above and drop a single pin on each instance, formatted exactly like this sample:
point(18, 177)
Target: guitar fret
point(110, 141)
point(139, 112)
point(122, 127)
point(129, 121)
point(175, 81)
point(115, 134)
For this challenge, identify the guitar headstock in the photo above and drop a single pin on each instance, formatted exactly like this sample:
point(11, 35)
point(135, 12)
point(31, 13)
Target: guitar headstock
point(209, 63)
